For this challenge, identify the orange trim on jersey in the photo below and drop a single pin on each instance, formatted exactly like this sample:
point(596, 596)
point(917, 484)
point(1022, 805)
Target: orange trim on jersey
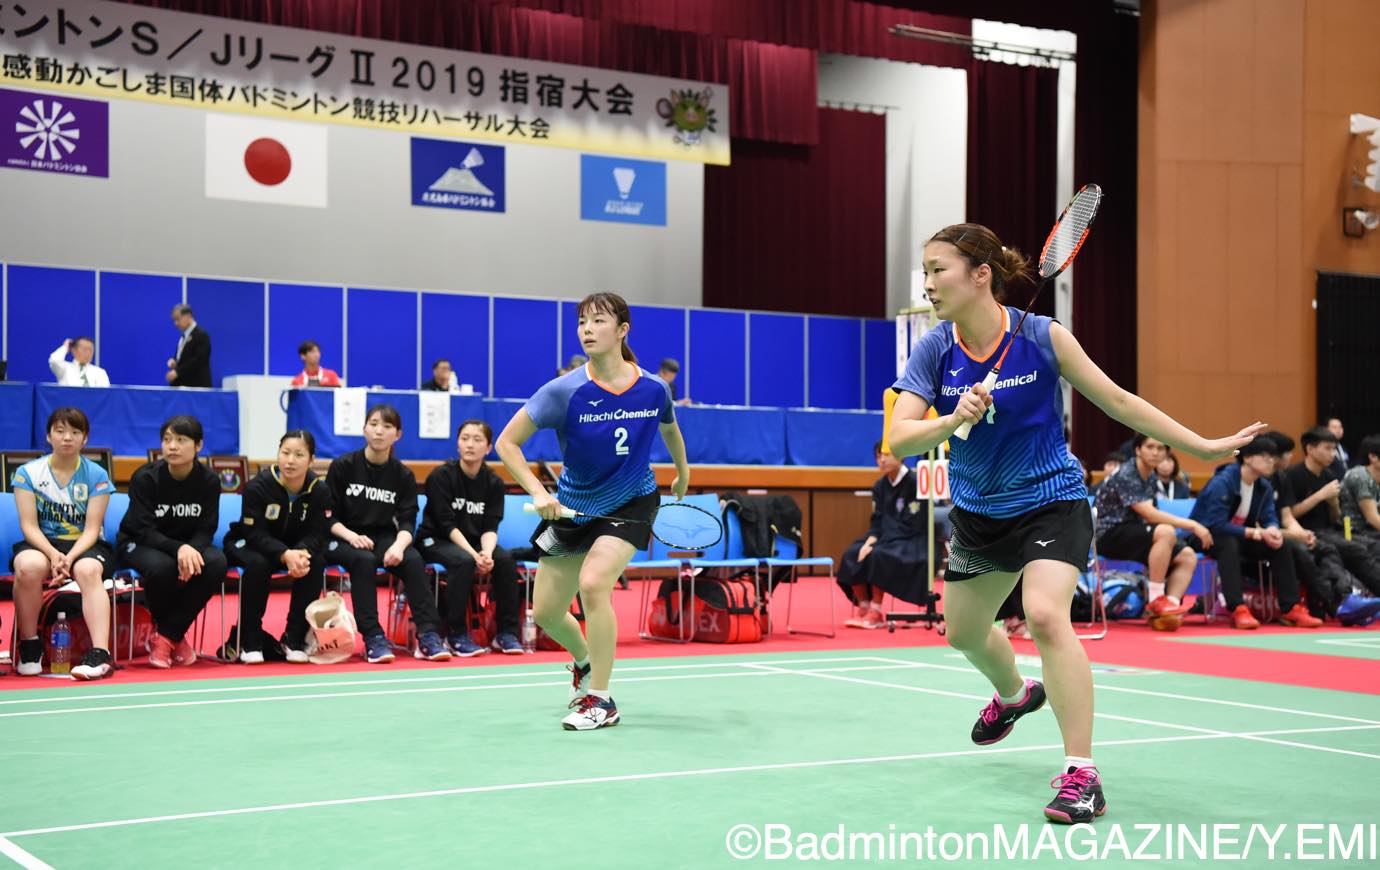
point(1005, 325)
point(589, 370)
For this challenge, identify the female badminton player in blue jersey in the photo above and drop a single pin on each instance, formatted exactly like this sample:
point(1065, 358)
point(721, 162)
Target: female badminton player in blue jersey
point(1020, 506)
point(606, 414)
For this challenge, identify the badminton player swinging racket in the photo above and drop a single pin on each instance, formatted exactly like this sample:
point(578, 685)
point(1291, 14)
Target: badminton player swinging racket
point(1020, 506)
point(606, 414)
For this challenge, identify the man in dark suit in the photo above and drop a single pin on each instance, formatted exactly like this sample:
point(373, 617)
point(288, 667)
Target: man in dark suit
point(191, 365)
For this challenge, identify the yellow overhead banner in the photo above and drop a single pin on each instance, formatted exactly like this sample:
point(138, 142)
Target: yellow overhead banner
point(120, 51)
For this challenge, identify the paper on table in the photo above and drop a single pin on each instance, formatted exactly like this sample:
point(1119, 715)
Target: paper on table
point(434, 409)
point(349, 410)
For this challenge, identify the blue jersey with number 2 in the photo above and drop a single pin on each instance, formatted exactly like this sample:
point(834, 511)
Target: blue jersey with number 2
point(605, 437)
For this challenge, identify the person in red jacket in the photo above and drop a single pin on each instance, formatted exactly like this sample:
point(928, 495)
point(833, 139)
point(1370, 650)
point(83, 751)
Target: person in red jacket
point(312, 374)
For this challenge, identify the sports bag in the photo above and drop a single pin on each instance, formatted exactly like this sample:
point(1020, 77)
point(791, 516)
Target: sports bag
point(723, 611)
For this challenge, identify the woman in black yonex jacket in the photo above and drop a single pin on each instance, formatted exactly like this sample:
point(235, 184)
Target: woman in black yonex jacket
point(283, 527)
point(374, 499)
point(165, 535)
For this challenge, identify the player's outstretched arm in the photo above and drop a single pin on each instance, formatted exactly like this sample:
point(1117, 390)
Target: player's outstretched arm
point(1128, 408)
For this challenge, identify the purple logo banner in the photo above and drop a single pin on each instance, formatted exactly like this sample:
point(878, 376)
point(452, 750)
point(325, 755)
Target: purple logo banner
point(54, 133)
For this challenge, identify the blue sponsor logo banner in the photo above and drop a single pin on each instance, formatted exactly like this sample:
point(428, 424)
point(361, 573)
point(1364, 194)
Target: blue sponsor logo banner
point(621, 190)
point(464, 175)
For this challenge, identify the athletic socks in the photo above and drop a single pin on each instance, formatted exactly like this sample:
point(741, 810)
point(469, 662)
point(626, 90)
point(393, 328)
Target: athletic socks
point(1073, 762)
point(1016, 698)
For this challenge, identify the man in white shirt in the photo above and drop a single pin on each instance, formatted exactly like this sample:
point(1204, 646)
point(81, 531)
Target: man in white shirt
point(79, 372)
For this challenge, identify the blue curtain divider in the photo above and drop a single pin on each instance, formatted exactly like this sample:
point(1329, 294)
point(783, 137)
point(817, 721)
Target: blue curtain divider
point(126, 419)
point(729, 436)
point(817, 437)
point(17, 416)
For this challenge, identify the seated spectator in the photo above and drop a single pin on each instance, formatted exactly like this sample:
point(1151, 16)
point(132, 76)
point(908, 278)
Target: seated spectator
point(1317, 505)
point(1169, 481)
point(282, 529)
point(1342, 461)
point(374, 509)
point(61, 499)
point(1111, 463)
point(1130, 527)
point(165, 535)
point(460, 531)
point(80, 372)
point(892, 556)
point(443, 379)
point(1360, 492)
point(1238, 507)
point(312, 374)
point(668, 371)
point(1317, 564)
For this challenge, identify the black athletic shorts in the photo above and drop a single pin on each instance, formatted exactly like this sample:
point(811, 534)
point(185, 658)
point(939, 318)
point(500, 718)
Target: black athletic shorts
point(568, 538)
point(1130, 541)
point(101, 551)
point(1060, 530)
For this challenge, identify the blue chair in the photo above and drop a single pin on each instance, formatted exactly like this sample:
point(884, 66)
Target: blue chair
point(788, 556)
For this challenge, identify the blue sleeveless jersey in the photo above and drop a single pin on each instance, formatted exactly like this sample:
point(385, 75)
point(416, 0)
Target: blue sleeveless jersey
point(605, 437)
point(1016, 459)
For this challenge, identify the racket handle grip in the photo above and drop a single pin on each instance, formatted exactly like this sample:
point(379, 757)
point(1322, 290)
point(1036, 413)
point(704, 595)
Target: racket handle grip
point(987, 383)
point(568, 513)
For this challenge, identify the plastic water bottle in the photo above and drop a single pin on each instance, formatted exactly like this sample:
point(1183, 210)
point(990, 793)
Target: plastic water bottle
point(529, 633)
point(400, 609)
point(60, 646)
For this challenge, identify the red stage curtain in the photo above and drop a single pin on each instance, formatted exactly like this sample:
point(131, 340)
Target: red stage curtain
point(791, 228)
point(1012, 159)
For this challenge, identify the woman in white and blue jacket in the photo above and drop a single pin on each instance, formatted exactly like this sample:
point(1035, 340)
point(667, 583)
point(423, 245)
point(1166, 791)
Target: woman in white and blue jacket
point(1238, 507)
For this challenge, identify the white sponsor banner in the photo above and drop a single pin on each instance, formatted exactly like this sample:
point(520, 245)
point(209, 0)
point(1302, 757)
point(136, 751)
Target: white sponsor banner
point(434, 409)
point(349, 410)
point(118, 50)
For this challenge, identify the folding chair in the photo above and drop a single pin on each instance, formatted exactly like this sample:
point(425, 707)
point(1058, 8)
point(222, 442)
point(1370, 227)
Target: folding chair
point(789, 557)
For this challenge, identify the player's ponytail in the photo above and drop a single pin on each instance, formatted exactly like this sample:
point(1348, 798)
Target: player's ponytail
point(980, 245)
point(616, 307)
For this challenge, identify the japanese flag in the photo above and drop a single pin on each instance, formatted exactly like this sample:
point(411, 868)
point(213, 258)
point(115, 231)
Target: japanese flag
point(256, 160)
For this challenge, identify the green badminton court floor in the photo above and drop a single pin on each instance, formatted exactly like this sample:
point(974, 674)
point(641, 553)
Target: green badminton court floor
point(470, 767)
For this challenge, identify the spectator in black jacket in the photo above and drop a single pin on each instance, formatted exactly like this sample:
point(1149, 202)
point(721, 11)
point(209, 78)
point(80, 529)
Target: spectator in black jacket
point(374, 498)
point(174, 509)
point(191, 365)
point(460, 531)
point(282, 529)
point(1238, 507)
point(891, 557)
point(1317, 504)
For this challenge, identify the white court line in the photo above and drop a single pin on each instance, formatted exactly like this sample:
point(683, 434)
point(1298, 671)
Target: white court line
point(1177, 727)
point(422, 691)
point(20, 857)
point(1102, 687)
point(492, 673)
point(631, 777)
point(1364, 642)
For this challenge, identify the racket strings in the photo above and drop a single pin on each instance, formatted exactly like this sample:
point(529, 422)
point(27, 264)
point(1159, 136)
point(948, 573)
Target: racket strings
point(1069, 233)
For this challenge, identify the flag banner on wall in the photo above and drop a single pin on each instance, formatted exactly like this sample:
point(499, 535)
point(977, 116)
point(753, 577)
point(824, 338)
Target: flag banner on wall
point(54, 133)
point(461, 175)
point(621, 190)
point(259, 160)
point(119, 50)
